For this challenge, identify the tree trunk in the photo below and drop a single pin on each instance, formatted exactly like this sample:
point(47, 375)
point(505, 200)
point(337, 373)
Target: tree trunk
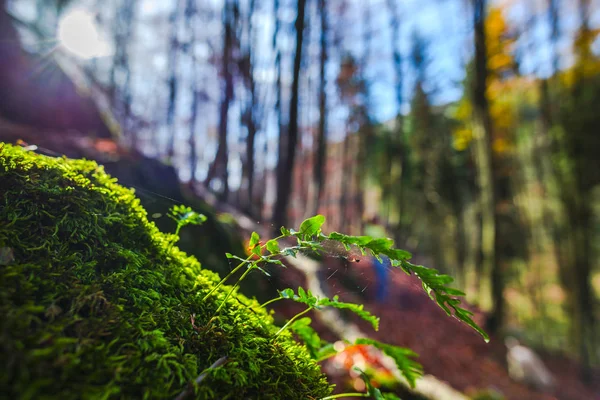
point(321, 152)
point(191, 12)
point(172, 80)
point(487, 170)
point(396, 151)
point(246, 68)
point(219, 166)
point(286, 159)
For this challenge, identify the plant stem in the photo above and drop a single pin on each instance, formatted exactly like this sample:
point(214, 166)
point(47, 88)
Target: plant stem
point(295, 317)
point(240, 265)
point(263, 305)
point(233, 271)
point(234, 286)
point(339, 396)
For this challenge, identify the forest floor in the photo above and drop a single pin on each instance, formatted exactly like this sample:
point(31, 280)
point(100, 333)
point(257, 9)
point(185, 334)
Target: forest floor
point(447, 348)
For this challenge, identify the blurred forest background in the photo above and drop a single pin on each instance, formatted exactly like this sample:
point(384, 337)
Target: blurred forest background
point(467, 130)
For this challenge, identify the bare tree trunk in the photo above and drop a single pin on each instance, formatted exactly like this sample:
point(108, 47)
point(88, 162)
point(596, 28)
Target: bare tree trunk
point(365, 144)
point(321, 152)
point(246, 67)
point(286, 159)
point(397, 154)
point(190, 13)
point(172, 82)
point(219, 166)
point(120, 74)
point(486, 169)
point(281, 143)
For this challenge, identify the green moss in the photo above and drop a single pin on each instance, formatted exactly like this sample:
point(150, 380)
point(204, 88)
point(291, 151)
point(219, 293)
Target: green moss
point(98, 304)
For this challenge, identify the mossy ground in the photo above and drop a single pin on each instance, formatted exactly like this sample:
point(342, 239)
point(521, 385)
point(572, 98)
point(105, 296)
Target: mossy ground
point(97, 303)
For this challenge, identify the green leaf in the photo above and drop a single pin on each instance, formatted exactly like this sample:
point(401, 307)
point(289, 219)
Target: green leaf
point(403, 358)
point(379, 245)
point(373, 391)
point(434, 284)
point(397, 254)
point(301, 292)
point(234, 257)
point(310, 300)
point(311, 226)
point(357, 309)
point(325, 352)
point(349, 240)
point(290, 251)
point(273, 261)
point(287, 293)
point(184, 215)
point(254, 240)
point(285, 231)
point(273, 246)
point(311, 339)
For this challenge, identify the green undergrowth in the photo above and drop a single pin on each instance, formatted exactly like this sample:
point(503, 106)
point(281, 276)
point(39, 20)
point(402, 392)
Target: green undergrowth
point(96, 303)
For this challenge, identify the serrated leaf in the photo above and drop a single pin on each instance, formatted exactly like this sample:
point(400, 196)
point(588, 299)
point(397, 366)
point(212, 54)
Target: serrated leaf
point(273, 246)
point(349, 240)
point(455, 292)
point(403, 358)
point(357, 309)
point(379, 245)
point(311, 226)
point(397, 255)
point(434, 284)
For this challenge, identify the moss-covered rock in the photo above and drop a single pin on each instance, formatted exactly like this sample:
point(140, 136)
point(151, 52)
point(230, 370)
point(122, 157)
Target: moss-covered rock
point(95, 302)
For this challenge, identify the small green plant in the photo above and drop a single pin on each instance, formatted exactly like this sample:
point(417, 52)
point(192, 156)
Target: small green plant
point(184, 215)
point(310, 238)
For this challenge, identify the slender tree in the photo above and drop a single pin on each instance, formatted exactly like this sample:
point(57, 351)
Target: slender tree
point(286, 158)
point(191, 13)
point(120, 72)
point(219, 167)
point(321, 150)
point(486, 167)
point(396, 158)
point(246, 67)
point(173, 77)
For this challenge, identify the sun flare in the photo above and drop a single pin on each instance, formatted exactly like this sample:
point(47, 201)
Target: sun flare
point(78, 33)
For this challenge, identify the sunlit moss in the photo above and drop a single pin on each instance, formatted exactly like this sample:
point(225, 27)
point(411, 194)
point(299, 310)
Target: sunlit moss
point(95, 302)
